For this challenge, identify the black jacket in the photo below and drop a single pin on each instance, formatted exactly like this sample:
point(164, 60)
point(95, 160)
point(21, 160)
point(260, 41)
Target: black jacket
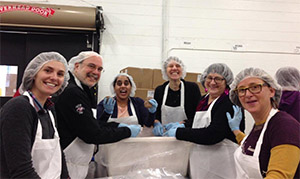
point(218, 128)
point(75, 118)
point(191, 98)
point(144, 116)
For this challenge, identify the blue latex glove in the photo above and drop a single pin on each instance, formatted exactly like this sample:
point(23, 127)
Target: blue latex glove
point(123, 125)
point(171, 132)
point(109, 105)
point(154, 105)
point(234, 122)
point(134, 129)
point(158, 129)
point(174, 125)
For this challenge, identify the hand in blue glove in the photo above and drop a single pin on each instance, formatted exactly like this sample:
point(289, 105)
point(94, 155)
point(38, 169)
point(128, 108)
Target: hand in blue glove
point(134, 129)
point(234, 122)
point(170, 133)
point(173, 125)
point(109, 104)
point(123, 125)
point(158, 129)
point(154, 105)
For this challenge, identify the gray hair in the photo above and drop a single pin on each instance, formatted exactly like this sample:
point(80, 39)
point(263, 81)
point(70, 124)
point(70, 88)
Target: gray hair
point(219, 68)
point(288, 78)
point(166, 63)
point(81, 57)
point(258, 73)
point(133, 86)
point(36, 64)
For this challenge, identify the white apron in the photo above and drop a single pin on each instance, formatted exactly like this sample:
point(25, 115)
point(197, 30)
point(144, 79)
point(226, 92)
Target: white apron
point(78, 156)
point(211, 161)
point(130, 120)
point(248, 166)
point(46, 153)
point(173, 114)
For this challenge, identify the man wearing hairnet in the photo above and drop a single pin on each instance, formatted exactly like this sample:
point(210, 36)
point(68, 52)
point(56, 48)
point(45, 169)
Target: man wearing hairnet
point(78, 128)
point(289, 79)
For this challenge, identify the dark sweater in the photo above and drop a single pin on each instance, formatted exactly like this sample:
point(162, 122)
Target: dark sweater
point(290, 103)
point(75, 118)
point(282, 130)
point(218, 128)
point(143, 114)
point(18, 126)
point(191, 98)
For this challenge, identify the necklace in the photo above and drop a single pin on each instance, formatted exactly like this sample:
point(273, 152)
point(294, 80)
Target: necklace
point(122, 111)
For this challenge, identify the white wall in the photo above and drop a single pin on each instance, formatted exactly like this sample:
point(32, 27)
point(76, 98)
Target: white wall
point(240, 33)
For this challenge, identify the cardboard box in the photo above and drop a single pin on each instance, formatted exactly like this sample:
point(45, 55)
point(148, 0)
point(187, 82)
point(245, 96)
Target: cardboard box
point(147, 80)
point(11, 81)
point(195, 77)
point(202, 89)
point(157, 78)
point(141, 76)
point(144, 93)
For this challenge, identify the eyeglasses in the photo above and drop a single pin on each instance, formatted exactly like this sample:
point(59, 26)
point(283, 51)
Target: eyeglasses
point(216, 79)
point(94, 67)
point(254, 89)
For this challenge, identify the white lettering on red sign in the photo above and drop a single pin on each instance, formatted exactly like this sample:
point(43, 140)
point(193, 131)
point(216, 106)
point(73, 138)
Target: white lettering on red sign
point(45, 12)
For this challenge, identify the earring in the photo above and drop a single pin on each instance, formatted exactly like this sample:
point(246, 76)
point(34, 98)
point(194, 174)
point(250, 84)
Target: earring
point(206, 90)
point(226, 91)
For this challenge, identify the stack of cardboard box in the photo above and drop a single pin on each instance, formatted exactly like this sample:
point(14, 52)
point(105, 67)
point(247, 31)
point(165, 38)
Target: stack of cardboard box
point(143, 79)
point(195, 77)
point(147, 80)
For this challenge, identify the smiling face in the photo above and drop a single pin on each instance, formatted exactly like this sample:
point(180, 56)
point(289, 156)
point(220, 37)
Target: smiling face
point(215, 84)
point(174, 70)
point(49, 79)
point(257, 103)
point(89, 70)
point(122, 88)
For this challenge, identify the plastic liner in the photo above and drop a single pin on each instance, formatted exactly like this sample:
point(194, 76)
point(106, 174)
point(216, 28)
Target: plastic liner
point(143, 154)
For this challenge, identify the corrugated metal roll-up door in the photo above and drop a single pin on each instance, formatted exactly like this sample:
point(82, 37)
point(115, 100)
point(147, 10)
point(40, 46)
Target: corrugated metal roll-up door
point(28, 29)
point(50, 16)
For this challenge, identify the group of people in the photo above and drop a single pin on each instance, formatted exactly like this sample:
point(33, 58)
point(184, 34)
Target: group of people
point(43, 140)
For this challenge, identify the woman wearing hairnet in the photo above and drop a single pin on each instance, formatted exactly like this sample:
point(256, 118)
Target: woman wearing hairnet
point(271, 150)
point(289, 79)
point(124, 108)
point(29, 140)
point(212, 154)
point(177, 99)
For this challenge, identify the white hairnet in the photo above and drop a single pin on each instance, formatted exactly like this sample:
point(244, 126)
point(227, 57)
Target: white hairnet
point(36, 64)
point(288, 78)
point(166, 63)
point(80, 57)
point(219, 68)
point(258, 73)
point(133, 86)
